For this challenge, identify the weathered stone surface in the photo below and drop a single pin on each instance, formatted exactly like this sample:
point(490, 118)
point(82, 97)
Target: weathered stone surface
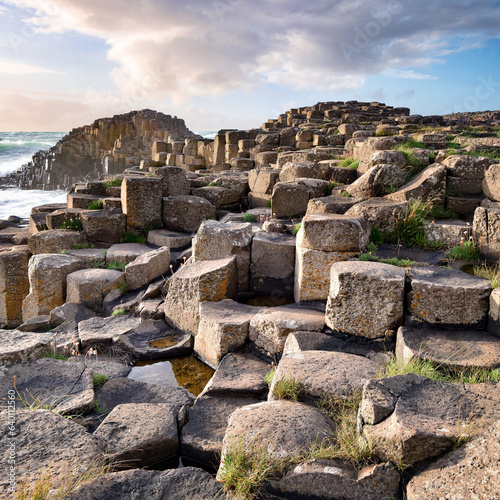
point(223, 327)
point(366, 298)
point(470, 348)
point(100, 332)
point(14, 284)
point(364, 150)
point(140, 484)
point(429, 185)
point(323, 373)
point(272, 263)
point(55, 240)
point(412, 418)
point(491, 182)
point(47, 276)
point(289, 200)
point(217, 195)
point(334, 204)
point(17, 346)
point(449, 232)
point(126, 252)
point(469, 472)
point(136, 441)
point(217, 240)
point(147, 267)
point(174, 181)
point(201, 437)
point(172, 239)
point(442, 296)
point(104, 226)
point(142, 202)
point(494, 313)
point(91, 257)
point(209, 280)
point(66, 387)
point(466, 166)
point(333, 233)
point(38, 323)
point(396, 158)
point(376, 181)
point(118, 391)
point(111, 367)
point(43, 440)
point(155, 340)
point(263, 181)
point(327, 477)
point(380, 213)
point(186, 213)
point(70, 312)
point(270, 327)
point(238, 375)
point(282, 427)
point(89, 286)
point(57, 218)
point(486, 230)
point(292, 171)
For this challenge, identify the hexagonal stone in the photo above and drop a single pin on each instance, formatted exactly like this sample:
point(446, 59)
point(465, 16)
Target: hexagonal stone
point(486, 231)
point(186, 213)
point(17, 346)
point(174, 240)
point(142, 201)
point(100, 332)
point(147, 267)
point(55, 240)
point(289, 199)
point(366, 298)
point(126, 252)
point(104, 226)
point(379, 212)
point(334, 204)
point(217, 195)
point(442, 296)
point(174, 181)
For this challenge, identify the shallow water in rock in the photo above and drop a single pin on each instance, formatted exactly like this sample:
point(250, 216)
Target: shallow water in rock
point(168, 341)
point(185, 371)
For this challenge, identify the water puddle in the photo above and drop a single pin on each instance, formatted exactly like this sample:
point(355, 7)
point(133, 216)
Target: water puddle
point(185, 371)
point(168, 341)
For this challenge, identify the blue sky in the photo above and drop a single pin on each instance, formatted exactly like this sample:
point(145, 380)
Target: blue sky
point(236, 63)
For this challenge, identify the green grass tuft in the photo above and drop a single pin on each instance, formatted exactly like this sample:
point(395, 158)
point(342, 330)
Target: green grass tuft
point(55, 355)
point(467, 250)
point(349, 163)
point(99, 380)
point(247, 217)
point(112, 182)
point(296, 228)
point(73, 224)
point(268, 378)
point(129, 237)
point(95, 205)
point(287, 388)
point(116, 266)
point(491, 273)
point(119, 312)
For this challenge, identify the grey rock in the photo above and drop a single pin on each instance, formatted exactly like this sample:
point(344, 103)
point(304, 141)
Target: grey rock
point(17, 346)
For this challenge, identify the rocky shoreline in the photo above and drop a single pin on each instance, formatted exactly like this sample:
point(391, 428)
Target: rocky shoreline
point(316, 264)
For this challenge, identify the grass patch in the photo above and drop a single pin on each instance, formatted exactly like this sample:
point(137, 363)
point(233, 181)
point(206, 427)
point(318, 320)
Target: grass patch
point(491, 273)
point(349, 163)
point(268, 377)
point(467, 250)
point(63, 252)
point(268, 204)
point(247, 217)
point(123, 287)
point(377, 236)
point(55, 355)
point(288, 388)
point(112, 182)
point(439, 213)
point(95, 205)
point(73, 224)
point(296, 228)
point(99, 380)
point(119, 312)
point(101, 410)
point(331, 186)
point(98, 264)
point(116, 266)
point(129, 237)
point(47, 485)
point(346, 194)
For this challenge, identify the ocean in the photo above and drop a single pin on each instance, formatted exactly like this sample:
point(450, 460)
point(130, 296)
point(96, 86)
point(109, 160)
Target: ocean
point(16, 149)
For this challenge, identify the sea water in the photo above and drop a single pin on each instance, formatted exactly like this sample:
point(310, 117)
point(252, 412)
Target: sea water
point(17, 149)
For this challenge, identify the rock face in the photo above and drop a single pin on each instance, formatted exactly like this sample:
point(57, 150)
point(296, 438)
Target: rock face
point(147, 267)
point(366, 298)
point(186, 213)
point(412, 418)
point(17, 346)
point(486, 230)
point(142, 202)
point(209, 280)
point(469, 472)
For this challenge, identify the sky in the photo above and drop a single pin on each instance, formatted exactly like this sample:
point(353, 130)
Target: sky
point(235, 63)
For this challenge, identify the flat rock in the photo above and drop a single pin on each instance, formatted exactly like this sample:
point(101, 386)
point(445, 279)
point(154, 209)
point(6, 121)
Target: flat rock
point(469, 472)
point(440, 296)
point(99, 332)
point(38, 323)
point(45, 440)
point(458, 349)
point(70, 312)
point(147, 267)
point(67, 387)
point(323, 477)
point(17, 346)
point(201, 437)
point(135, 441)
point(282, 427)
point(153, 339)
point(175, 240)
point(322, 373)
point(270, 327)
point(411, 418)
point(126, 252)
point(119, 391)
point(334, 204)
point(239, 375)
point(141, 484)
point(111, 367)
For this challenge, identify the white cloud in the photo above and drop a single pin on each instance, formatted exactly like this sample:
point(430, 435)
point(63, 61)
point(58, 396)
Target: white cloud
point(16, 68)
point(409, 75)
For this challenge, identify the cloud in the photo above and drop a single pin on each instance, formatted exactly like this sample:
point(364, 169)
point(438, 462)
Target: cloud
point(16, 68)
point(182, 50)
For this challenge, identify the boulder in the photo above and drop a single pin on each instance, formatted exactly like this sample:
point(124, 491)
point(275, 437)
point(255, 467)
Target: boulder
point(223, 327)
point(380, 213)
point(126, 252)
point(208, 280)
point(491, 182)
point(55, 240)
point(366, 298)
point(70, 312)
point(64, 387)
point(89, 286)
point(467, 167)
point(36, 324)
point(147, 267)
point(111, 367)
point(17, 346)
point(100, 333)
point(14, 284)
point(218, 196)
point(469, 472)
point(323, 373)
point(142, 202)
point(270, 327)
point(104, 226)
point(334, 204)
point(446, 297)
point(174, 181)
point(292, 171)
point(377, 181)
point(263, 181)
point(289, 199)
point(186, 213)
point(217, 240)
point(494, 313)
point(396, 158)
point(135, 441)
point(172, 239)
point(43, 441)
point(410, 418)
point(47, 276)
point(486, 232)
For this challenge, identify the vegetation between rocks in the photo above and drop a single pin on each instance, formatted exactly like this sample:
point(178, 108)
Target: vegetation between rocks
point(467, 250)
point(73, 224)
point(95, 205)
point(248, 217)
point(129, 237)
point(491, 273)
point(99, 380)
